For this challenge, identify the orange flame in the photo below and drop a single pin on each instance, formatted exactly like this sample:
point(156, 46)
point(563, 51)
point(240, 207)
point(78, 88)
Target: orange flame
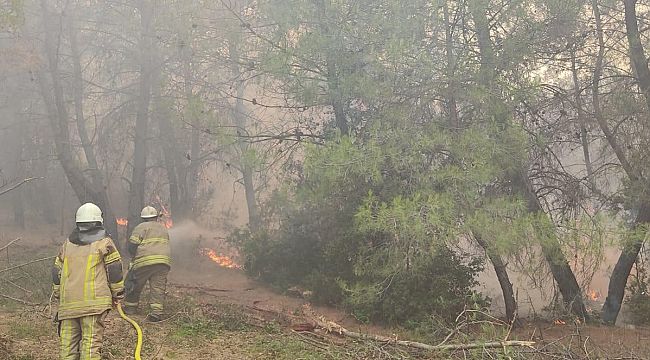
point(593, 295)
point(122, 221)
point(221, 260)
point(559, 322)
point(168, 223)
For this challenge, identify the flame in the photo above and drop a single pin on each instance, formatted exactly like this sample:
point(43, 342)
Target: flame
point(593, 295)
point(122, 221)
point(559, 322)
point(222, 260)
point(165, 215)
point(168, 223)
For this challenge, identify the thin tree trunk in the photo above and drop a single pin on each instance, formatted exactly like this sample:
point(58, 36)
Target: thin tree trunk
point(45, 200)
point(18, 167)
point(551, 248)
point(169, 147)
point(336, 100)
point(195, 145)
point(630, 252)
point(95, 173)
point(582, 121)
point(602, 123)
point(138, 179)
point(84, 189)
point(487, 59)
point(501, 271)
point(335, 96)
point(637, 53)
point(498, 264)
point(254, 220)
point(554, 256)
point(452, 108)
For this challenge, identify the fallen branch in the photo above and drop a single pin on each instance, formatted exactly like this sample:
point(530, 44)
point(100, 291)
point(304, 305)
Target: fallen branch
point(336, 328)
point(27, 263)
point(8, 245)
point(18, 286)
point(19, 300)
point(15, 186)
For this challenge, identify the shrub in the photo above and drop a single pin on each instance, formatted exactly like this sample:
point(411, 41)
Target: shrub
point(370, 223)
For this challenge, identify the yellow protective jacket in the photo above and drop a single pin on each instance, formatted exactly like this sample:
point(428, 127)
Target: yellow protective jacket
point(87, 276)
point(149, 245)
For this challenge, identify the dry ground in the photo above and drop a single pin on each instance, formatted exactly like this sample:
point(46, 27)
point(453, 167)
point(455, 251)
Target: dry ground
point(218, 313)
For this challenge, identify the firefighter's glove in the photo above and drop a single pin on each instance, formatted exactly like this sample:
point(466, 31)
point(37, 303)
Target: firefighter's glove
point(129, 282)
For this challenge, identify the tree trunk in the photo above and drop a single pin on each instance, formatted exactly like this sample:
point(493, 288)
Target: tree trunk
point(138, 178)
point(551, 248)
point(80, 120)
point(582, 121)
point(637, 53)
point(45, 200)
point(452, 107)
point(501, 271)
point(487, 59)
point(498, 264)
point(84, 189)
point(630, 252)
point(254, 220)
point(554, 256)
point(170, 148)
point(621, 272)
point(336, 100)
point(332, 75)
point(17, 196)
point(195, 144)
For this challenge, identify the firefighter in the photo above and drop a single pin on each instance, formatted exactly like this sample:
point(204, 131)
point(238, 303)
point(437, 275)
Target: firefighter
point(87, 277)
point(150, 262)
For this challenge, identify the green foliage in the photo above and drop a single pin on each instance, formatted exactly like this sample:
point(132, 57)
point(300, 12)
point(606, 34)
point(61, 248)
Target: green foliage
point(282, 347)
point(12, 15)
point(375, 221)
point(439, 286)
point(638, 298)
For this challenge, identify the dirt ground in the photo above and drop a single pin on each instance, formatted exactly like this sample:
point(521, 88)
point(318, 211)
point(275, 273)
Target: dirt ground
point(219, 313)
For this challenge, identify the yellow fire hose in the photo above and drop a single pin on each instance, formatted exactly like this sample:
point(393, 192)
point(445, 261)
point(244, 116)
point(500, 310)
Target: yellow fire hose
point(135, 325)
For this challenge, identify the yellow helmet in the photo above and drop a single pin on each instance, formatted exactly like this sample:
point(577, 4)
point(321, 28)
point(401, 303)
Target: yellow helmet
point(148, 212)
point(89, 212)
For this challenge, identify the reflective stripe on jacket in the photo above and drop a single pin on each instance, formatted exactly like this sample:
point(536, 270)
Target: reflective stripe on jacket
point(84, 282)
point(152, 241)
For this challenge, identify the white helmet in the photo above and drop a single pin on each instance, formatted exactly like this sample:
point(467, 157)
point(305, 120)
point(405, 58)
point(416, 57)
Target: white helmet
point(148, 212)
point(89, 212)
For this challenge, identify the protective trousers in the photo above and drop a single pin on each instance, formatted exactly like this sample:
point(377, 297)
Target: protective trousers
point(81, 338)
point(156, 275)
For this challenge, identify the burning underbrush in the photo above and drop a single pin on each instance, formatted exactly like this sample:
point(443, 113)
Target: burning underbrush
point(193, 246)
point(221, 260)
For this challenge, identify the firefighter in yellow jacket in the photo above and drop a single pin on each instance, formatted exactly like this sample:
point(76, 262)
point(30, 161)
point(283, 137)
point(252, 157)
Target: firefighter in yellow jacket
point(150, 262)
point(87, 277)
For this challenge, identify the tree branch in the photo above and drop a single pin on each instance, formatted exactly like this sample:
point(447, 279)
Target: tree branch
point(15, 186)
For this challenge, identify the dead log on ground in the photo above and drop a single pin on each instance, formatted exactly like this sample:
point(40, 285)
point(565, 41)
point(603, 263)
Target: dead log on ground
point(336, 328)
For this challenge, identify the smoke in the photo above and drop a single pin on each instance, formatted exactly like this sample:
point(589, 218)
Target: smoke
point(187, 239)
point(534, 299)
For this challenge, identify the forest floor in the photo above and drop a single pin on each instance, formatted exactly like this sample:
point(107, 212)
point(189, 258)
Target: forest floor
point(219, 313)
